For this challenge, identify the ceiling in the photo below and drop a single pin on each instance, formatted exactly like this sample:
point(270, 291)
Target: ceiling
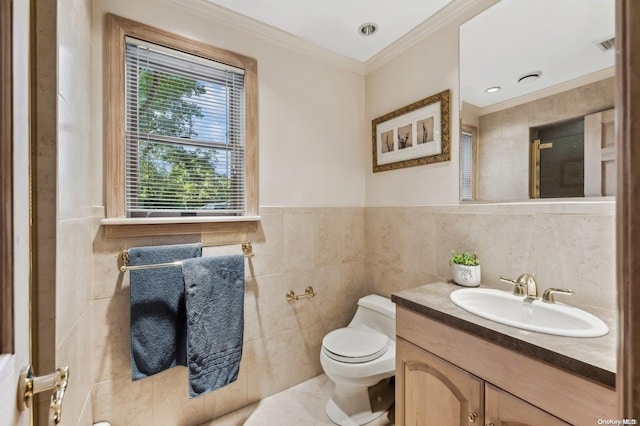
point(333, 24)
point(501, 44)
point(515, 37)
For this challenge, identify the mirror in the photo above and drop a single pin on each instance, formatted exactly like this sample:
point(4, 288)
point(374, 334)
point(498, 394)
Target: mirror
point(537, 93)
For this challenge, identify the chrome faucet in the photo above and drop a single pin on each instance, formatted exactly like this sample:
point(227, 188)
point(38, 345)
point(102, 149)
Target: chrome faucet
point(525, 285)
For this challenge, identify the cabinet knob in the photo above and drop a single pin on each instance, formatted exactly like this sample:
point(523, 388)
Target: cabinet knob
point(472, 417)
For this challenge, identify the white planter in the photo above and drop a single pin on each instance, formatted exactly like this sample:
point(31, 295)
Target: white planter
point(468, 276)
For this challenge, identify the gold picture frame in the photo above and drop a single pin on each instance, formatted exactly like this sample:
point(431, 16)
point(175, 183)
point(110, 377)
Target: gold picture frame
point(414, 135)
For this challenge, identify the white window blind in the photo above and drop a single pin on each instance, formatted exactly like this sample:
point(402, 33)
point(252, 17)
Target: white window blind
point(185, 134)
point(466, 166)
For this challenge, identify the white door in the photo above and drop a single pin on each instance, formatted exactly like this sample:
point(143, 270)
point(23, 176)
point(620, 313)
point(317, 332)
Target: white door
point(599, 154)
point(11, 364)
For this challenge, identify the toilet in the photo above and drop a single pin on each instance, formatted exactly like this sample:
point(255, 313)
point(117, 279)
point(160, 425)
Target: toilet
point(359, 356)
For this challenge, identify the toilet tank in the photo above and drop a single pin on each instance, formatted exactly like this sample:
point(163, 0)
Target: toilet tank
point(378, 313)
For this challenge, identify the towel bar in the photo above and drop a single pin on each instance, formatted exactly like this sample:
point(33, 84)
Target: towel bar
point(123, 257)
point(291, 295)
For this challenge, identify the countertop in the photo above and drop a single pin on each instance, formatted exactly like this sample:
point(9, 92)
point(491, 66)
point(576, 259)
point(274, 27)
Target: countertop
point(592, 357)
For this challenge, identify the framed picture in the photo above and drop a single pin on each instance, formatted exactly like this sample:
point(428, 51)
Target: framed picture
point(413, 135)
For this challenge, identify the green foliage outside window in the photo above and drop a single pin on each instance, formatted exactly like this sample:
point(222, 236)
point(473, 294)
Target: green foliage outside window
point(182, 177)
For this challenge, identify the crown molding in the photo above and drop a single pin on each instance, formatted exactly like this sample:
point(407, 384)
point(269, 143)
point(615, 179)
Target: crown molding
point(444, 16)
point(549, 91)
point(471, 109)
point(251, 26)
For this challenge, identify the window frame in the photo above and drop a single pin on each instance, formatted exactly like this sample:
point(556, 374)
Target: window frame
point(117, 29)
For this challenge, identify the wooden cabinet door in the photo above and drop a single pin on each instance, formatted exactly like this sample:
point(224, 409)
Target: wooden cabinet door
point(504, 409)
point(433, 392)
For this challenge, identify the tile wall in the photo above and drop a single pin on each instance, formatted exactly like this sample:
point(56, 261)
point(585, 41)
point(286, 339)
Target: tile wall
point(567, 245)
point(74, 224)
point(294, 248)
point(63, 218)
point(344, 253)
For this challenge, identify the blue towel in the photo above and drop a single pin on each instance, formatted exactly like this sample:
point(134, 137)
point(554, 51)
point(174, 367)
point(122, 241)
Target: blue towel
point(214, 288)
point(158, 321)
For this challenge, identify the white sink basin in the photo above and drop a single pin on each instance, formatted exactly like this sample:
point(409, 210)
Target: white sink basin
point(551, 318)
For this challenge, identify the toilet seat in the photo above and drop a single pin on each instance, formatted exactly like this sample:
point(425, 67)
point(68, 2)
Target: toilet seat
point(353, 345)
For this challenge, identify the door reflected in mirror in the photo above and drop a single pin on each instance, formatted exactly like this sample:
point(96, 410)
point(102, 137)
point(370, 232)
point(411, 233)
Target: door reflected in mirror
point(554, 76)
point(557, 160)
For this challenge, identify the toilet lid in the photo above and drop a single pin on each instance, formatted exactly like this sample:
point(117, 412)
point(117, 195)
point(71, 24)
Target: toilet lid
point(354, 345)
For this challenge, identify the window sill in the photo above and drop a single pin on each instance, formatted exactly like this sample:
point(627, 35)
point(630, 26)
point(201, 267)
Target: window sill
point(144, 227)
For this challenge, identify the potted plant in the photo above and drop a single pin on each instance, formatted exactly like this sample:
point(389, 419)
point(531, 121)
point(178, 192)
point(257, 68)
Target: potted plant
point(465, 268)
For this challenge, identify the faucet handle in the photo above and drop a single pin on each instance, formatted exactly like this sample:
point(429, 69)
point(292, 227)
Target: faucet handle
point(548, 297)
point(518, 285)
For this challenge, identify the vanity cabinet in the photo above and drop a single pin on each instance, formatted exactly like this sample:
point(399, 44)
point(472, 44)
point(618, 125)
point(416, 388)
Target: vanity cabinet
point(446, 376)
point(433, 391)
point(504, 409)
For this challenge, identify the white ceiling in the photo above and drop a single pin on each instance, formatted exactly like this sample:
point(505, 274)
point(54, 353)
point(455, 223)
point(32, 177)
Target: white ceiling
point(506, 41)
point(333, 24)
point(515, 37)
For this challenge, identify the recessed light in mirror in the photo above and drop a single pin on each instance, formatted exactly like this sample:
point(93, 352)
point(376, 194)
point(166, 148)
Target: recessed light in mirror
point(529, 77)
point(368, 29)
point(493, 89)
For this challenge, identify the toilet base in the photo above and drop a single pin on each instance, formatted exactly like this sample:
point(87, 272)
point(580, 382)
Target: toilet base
point(351, 405)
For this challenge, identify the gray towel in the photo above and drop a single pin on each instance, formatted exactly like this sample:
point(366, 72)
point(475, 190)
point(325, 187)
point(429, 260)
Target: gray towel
point(158, 321)
point(214, 288)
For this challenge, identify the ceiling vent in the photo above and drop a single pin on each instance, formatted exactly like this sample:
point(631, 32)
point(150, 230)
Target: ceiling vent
point(606, 44)
point(529, 77)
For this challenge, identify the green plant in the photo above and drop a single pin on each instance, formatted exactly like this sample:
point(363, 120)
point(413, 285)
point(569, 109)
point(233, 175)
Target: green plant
point(466, 258)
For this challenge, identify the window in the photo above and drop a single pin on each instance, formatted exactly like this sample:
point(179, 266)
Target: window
point(181, 127)
point(468, 163)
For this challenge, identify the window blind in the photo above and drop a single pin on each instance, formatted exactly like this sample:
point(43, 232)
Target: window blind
point(466, 166)
point(185, 124)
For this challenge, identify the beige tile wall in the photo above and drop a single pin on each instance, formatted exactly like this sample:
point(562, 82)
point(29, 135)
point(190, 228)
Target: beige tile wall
point(294, 248)
point(567, 245)
point(75, 223)
point(503, 172)
point(63, 222)
point(74, 315)
point(325, 247)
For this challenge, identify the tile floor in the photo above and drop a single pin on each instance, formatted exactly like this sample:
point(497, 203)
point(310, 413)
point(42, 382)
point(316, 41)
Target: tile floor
point(301, 405)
